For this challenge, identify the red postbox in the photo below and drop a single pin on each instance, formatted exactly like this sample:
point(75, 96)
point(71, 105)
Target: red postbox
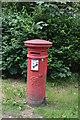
point(36, 70)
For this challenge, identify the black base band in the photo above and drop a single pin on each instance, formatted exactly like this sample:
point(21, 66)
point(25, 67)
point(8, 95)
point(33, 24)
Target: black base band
point(36, 103)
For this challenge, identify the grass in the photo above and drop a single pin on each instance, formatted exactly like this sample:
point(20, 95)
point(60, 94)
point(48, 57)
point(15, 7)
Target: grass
point(61, 98)
point(61, 102)
point(14, 94)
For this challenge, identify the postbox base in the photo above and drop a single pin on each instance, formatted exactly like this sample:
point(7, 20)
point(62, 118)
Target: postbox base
point(36, 103)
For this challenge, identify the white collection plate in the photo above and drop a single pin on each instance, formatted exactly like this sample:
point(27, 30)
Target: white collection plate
point(34, 64)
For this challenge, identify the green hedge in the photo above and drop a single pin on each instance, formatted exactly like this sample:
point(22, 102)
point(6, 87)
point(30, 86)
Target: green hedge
point(17, 27)
point(50, 21)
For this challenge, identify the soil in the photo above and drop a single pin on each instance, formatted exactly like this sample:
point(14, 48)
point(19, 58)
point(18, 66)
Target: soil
point(28, 113)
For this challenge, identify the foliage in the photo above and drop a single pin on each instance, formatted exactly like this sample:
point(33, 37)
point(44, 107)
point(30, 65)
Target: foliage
point(56, 22)
point(17, 27)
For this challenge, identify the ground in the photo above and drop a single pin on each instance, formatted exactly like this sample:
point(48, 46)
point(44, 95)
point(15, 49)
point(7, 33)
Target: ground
point(61, 96)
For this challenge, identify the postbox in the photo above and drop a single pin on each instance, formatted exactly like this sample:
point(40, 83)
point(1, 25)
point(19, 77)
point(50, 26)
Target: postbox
point(36, 71)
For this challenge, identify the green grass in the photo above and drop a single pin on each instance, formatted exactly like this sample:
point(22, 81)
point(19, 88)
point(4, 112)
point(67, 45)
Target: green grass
point(61, 98)
point(14, 94)
point(60, 104)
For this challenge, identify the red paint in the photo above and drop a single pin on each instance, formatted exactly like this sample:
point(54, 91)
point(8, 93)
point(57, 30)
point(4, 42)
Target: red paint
point(36, 80)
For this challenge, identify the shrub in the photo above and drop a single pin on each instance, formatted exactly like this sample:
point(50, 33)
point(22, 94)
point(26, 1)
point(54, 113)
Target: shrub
point(17, 28)
point(56, 22)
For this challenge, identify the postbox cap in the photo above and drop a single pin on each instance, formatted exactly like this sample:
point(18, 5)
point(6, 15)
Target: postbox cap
point(37, 43)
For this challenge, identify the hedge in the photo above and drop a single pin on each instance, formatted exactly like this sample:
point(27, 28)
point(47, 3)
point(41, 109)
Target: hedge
point(56, 22)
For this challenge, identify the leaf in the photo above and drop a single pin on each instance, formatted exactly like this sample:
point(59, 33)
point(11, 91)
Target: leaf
point(63, 32)
point(62, 75)
point(68, 74)
point(39, 27)
point(39, 22)
point(39, 2)
point(13, 70)
point(0, 62)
